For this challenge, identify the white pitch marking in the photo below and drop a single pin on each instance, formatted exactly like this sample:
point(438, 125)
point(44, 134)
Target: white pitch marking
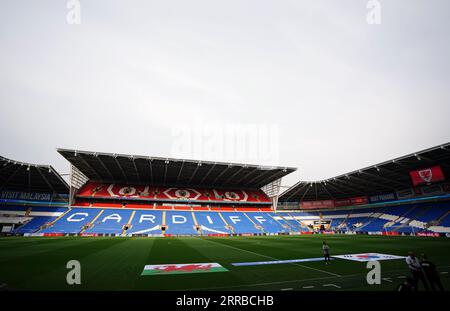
point(328, 285)
point(296, 264)
point(444, 272)
point(308, 286)
point(292, 281)
point(287, 289)
point(387, 279)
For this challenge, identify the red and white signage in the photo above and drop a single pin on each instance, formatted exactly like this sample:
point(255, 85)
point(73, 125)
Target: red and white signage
point(427, 175)
point(146, 192)
point(317, 204)
point(351, 201)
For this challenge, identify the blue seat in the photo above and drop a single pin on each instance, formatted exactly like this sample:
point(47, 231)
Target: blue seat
point(240, 222)
point(34, 224)
point(211, 223)
point(373, 225)
point(73, 221)
point(146, 222)
point(111, 221)
point(266, 221)
point(179, 223)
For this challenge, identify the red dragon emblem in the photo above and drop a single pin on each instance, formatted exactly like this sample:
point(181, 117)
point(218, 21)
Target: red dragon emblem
point(426, 175)
point(186, 268)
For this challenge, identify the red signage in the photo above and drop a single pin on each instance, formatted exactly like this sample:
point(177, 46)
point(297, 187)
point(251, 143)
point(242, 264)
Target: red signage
point(432, 234)
point(427, 175)
point(351, 201)
point(359, 200)
point(335, 203)
point(317, 204)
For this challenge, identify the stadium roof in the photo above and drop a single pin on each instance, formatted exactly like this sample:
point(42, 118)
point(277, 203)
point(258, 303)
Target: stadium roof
point(376, 179)
point(21, 176)
point(117, 168)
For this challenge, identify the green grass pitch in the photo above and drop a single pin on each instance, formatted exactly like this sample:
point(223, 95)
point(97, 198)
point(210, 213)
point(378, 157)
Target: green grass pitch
point(39, 263)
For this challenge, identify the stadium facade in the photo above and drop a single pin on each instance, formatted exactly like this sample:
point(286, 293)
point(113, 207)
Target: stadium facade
point(127, 195)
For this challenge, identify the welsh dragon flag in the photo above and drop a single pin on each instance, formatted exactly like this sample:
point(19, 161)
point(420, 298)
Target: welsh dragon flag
point(182, 268)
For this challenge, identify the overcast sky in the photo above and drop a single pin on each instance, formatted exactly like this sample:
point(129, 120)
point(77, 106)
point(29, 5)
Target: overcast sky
point(138, 77)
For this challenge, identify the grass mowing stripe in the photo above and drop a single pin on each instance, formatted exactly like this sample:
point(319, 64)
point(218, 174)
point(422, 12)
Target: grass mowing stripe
point(270, 257)
point(116, 263)
point(40, 247)
point(299, 280)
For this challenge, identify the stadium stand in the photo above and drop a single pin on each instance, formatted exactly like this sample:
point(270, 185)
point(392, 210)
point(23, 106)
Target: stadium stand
point(34, 224)
point(240, 223)
point(171, 194)
point(73, 221)
point(109, 221)
point(31, 196)
point(128, 195)
point(267, 222)
point(180, 223)
point(146, 222)
point(404, 195)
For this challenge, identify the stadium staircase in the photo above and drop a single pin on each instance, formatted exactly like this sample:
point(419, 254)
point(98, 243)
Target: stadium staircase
point(129, 224)
point(290, 225)
point(441, 219)
point(197, 226)
point(345, 221)
point(283, 225)
point(91, 224)
point(257, 227)
point(438, 227)
point(50, 224)
point(301, 226)
point(228, 226)
point(27, 212)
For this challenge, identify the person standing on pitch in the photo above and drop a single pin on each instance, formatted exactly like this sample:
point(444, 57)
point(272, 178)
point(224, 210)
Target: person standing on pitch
point(432, 275)
point(416, 270)
point(326, 252)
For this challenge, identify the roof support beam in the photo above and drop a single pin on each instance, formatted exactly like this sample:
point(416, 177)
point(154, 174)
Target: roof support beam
point(326, 190)
point(441, 163)
point(136, 170)
point(304, 194)
point(121, 168)
point(382, 186)
point(272, 177)
point(98, 176)
point(299, 189)
point(234, 175)
point(151, 169)
point(244, 177)
point(165, 171)
point(104, 167)
point(352, 190)
point(6, 166)
point(46, 181)
point(337, 189)
point(387, 179)
point(257, 177)
point(195, 172)
point(179, 173)
point(207, 174)
point(358, 182)
point(220, 175)
point(10, 177)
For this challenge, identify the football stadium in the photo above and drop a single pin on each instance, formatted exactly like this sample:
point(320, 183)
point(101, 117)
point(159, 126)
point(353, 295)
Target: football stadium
point(147, 223)
point(224, 154)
